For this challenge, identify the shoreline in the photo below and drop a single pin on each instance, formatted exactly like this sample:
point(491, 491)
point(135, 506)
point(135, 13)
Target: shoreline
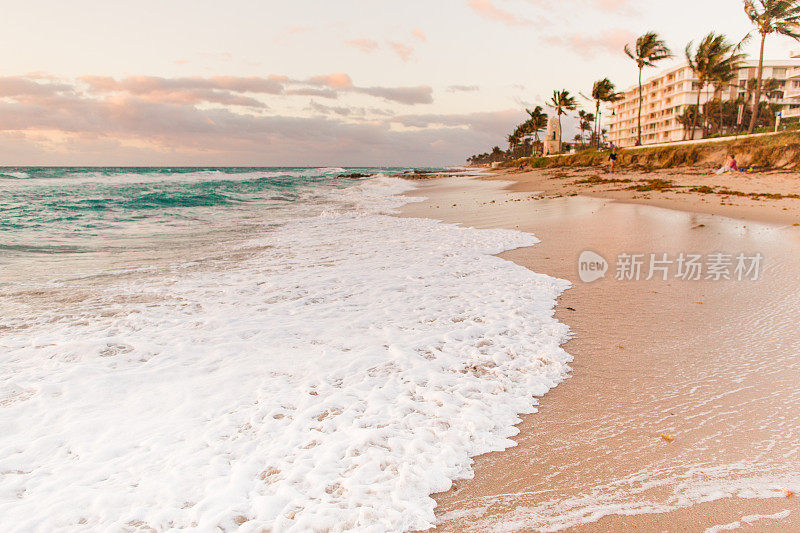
point(585, 460)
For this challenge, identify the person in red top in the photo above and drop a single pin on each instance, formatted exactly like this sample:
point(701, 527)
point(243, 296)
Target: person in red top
point(729, 166)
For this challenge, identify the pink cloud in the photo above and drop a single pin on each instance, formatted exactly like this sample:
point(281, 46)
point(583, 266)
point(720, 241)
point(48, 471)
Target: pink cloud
point(78, 131)
point(403, 51)
point(365, 45)
point(487, 10)
point(609, 41)
point(606, 6)
point(102, 120)
point(227, 90)
point(337, 79)
point(619, 6)
point(419, 34)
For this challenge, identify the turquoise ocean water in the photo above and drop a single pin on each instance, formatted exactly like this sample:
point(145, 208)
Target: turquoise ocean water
point(53, 220)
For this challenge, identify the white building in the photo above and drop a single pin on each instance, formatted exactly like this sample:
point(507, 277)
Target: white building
point(666, 96)
point(792, 93)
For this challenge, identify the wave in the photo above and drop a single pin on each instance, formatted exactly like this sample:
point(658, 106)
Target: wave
point(333, 377)
point(14, 175)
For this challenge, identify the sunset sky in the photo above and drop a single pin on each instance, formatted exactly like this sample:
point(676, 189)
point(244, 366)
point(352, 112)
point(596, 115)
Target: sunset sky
point(337, 82)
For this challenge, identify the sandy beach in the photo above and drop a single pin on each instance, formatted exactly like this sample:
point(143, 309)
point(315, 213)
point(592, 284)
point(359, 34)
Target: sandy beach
point(683, 411)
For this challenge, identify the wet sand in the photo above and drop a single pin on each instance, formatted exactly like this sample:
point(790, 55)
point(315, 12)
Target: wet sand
point(713, 366)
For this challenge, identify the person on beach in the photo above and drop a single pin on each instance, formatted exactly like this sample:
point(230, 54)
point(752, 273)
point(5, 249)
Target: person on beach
point(729, 166)
point(613, 159)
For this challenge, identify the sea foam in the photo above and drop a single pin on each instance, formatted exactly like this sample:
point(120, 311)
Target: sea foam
point(333, 376)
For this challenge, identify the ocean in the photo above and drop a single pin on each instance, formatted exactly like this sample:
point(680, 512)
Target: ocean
point(253, 348)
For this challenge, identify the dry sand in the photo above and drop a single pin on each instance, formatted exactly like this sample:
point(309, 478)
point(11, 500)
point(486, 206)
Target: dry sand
point(748, 197)
point(713, 365)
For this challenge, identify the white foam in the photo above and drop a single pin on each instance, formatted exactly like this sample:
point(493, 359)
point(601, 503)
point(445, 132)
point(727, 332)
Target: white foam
point(748, 521)
point(14, 174)
point(332, 379)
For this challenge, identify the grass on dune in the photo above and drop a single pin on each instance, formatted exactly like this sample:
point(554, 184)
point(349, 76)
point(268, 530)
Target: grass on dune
point(780, 151)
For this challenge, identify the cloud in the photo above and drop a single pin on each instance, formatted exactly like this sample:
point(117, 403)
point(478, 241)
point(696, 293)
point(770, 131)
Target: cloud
point(610, 41)
point(224, 90)
point(227, 90)
point(365, 45)
point(616, 6)
point(17, 86)
point(402, 50)
point(403, 95)
point(487, 10)
point(312, 91)
point(490, 122)
point(624, 7)
point(81, 131)
point(419, 34)
point(331, 110)
point(103, 120)
point(462, 88)
point(335, 80)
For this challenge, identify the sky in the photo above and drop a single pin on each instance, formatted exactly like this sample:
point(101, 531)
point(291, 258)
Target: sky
point(310, 83)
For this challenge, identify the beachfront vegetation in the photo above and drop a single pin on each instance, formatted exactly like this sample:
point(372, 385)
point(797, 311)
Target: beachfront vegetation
point(561, 102)
point(770, 16)
point(780, 150)
point(536, 123)
point(648, 50)
point(603, 92)
point(716, 62)
point(585, 124)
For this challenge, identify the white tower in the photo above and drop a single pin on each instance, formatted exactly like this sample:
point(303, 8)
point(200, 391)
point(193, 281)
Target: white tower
point(552, 141)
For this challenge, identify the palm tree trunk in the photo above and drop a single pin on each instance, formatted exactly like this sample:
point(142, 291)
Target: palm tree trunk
point(597, 123)
point(639, 136)
point(560, 131)
point(696, 112)
point(759, 75)
point(720, 113)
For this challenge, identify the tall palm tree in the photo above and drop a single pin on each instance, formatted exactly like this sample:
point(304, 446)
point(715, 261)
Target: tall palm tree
point(562, 102)
point(648, 50)
point(603, 91)
point(771, 16)
point(537, 122)
point(713, 57)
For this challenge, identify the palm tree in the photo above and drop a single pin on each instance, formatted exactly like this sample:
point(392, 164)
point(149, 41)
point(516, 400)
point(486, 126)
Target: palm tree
point(585, 122)
point(770, 86)
point(513, 142)
point(714, 57)
point(537, 122)
point(649, 50)
point(724, 74)
point(603, 91)
point(771, 16)
point(687, 119)
point(562, 102)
